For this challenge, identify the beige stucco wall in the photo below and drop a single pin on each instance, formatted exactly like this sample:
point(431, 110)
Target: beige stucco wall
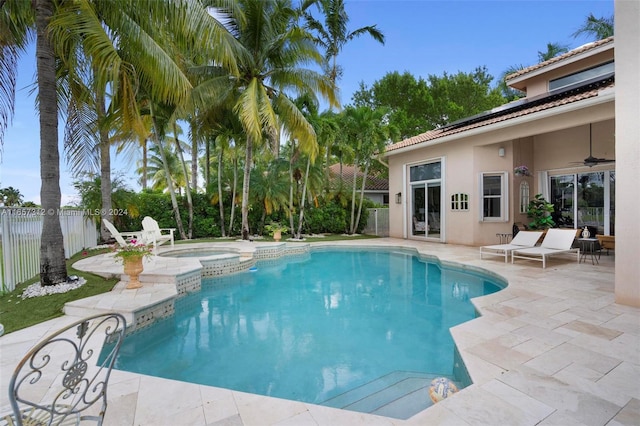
point(556, 151)
point(546, 144)
point(537, 83)
point(627, 30)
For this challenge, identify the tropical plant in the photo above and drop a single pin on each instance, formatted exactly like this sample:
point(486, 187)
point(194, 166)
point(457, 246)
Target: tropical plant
point(368, 133)
point(274, 227)
point(10, 196)
point(114, 44)
point(133, 250)
point(158, 173)
point(598, 28)
point(273, 49)
point(332, 35)
point(540, 211)
point(553, 50)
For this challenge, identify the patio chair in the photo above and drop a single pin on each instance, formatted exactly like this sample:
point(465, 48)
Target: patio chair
point(607, 242)
point(63, 379)
point(418, 226)
point(154, 234)
point(556, 241)
point(522, 239)
point(121, 237)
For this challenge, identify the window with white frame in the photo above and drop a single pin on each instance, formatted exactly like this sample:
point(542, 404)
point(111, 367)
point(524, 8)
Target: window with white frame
point(495, 202)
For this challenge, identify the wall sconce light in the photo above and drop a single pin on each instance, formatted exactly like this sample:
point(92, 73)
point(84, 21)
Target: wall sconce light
point(501, 152)
point(399, 198)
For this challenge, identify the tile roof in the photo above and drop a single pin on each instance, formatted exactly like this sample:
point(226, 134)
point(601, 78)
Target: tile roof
point(574, 52)
point(506, 112)
point(374, 182)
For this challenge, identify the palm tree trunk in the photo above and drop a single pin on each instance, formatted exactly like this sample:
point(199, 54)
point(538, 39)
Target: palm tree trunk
point(144, 163)
point(105, 165)
point(194, 156)
point(364, 182)
point(291, 188)
point(187, 189)
point(245, 188)
point(53, 269)
point(172, 192)
point(303, 199)
point(220, 201)
point(353, 197)
point(234, 192)
point(207, 162)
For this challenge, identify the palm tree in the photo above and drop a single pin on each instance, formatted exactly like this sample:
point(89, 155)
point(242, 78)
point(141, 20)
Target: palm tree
point(368, 134)
point(333, 34)
point(158, 173)
point(103, 31)
point(507, 92)
point(553, 50)
point(273, 49)
point(10, 196)
point(598, 28)
point(270, 188)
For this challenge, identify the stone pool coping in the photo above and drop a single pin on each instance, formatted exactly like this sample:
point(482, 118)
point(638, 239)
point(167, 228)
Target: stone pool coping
point(552, 348)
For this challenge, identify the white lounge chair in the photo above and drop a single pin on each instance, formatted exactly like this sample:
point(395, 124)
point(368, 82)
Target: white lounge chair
point(154, 234)
point(523, 239)
point(121, 237)
point(557, 241)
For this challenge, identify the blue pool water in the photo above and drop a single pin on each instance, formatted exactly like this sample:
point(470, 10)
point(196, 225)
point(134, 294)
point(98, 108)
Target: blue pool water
point(329, 328)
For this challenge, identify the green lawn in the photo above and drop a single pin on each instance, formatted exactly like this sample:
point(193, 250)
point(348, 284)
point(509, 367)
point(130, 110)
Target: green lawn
point(16, 313)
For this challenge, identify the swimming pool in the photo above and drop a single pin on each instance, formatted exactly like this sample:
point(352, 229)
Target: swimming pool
point(365, 330)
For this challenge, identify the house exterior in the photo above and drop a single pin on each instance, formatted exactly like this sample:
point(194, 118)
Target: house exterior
point(376, 188)
point(459, 183)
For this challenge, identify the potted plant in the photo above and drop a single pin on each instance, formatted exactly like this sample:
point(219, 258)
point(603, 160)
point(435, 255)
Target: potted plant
point(132, 255)
point(539, 210)
point(521, 171)
point(275, 229)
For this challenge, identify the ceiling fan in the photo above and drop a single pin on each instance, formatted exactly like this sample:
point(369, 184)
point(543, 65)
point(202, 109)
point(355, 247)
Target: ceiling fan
point(591, 161)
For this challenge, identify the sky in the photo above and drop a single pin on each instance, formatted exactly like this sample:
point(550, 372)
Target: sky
point(423, 37)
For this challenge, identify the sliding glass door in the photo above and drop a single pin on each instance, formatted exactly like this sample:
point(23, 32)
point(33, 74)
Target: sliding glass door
point(585, 199)
point(425, 205)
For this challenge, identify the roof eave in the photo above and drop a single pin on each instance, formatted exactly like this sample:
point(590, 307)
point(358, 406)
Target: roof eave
point(558, 64)
point(607, 95)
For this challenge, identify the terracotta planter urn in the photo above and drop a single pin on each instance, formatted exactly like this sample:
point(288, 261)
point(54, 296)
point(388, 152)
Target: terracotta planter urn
point(133, 268)
point(277, 235)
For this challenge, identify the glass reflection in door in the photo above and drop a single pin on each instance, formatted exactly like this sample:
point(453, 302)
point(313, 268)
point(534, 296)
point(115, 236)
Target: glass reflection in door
point(433, 209)
point(418, 210)
point(591, 201)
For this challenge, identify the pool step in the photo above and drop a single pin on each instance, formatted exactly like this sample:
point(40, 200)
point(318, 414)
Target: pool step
point(399, 394)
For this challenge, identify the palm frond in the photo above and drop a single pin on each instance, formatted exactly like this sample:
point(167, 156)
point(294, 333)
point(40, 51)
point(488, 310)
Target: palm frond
point(297, 126)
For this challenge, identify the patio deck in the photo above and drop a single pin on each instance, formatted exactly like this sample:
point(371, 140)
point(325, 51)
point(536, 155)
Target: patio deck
point(551, 349)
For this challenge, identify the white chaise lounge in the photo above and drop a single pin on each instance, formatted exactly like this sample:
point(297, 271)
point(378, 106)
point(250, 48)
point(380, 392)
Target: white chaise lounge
point(523, 239)
point(557, 241)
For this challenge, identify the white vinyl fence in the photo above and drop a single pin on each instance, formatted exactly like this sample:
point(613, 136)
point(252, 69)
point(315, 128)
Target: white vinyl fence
point(20, 232)
point(378, 223)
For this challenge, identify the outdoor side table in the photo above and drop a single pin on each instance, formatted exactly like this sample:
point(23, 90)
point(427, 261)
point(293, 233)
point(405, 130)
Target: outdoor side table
point(588, 248)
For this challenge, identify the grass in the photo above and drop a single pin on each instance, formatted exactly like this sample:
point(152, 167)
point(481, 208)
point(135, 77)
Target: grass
point(16, 314)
